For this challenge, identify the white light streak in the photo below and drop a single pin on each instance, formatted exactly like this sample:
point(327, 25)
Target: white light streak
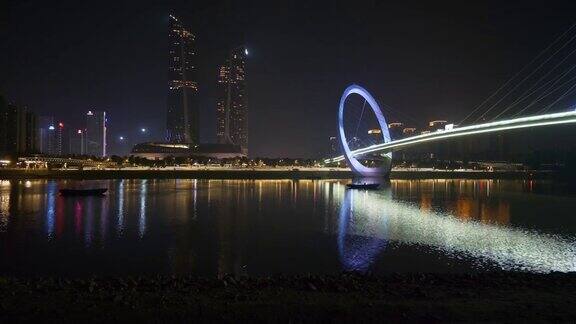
point(503, 125)
point(508, 247)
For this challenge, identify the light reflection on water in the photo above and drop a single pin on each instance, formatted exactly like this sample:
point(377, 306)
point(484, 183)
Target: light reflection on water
point(142, 219)
point(267, 226)
point(382, 219)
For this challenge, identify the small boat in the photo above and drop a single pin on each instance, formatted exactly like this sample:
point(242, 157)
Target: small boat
point(367, 186)
point(83, 192)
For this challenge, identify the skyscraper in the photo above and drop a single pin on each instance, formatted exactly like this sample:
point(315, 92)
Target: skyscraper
point(96, 133)
point(17, 130)
point(59, 147)
point(3, 126)
point(46, 134)
point(182, 108)
point(50, 135)
point(232, 105)
point(76, 142)
point(31, 134)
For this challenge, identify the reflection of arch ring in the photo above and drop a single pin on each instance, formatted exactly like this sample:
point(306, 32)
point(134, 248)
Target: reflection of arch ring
point(352, 162)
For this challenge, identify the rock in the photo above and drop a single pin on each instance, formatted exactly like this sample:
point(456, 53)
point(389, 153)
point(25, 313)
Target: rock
point(312, 287)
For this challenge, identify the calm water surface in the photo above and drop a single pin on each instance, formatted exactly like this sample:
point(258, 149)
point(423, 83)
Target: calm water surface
point(260, 227)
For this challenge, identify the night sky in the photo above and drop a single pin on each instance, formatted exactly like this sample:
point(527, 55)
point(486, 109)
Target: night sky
point(429, 61)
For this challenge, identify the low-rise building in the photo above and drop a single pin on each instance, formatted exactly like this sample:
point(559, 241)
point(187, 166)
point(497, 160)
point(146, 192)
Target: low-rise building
point(161, 150)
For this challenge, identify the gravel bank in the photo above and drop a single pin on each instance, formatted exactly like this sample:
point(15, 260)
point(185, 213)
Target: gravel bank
point(340, 297)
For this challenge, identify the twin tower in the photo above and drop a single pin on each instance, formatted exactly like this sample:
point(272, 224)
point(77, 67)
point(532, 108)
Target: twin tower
point(183, 104)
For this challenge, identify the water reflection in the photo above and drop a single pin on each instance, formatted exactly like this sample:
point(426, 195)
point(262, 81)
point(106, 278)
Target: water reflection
point(270, 226)
point(464, 199)
point(78, 211)
point(376, 215)
point(51, 193)
point(120, 223)
point(89, 221)
point(4, 204)
point(357, 252)
point(142, 219)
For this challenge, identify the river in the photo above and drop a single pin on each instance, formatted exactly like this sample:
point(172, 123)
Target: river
point(262, 227)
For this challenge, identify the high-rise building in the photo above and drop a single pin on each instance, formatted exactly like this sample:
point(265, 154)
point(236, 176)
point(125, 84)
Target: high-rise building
point(408, 131)
point(46, 134)
point(17, 130)
point(182, 107)
point(51, 136)
point(396, 130)
point(96, 133)
point(232, 104)
point(59, 146)
point(3, 126)
point(334, 145)
point(437, 125)
point(76, 142)
point(31, 132)
point(375, 136)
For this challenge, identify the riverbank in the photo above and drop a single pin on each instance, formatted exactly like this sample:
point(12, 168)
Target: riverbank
point(23, 174)
point(342, 297)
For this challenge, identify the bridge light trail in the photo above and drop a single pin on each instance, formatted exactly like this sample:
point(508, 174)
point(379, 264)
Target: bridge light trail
point(498, 126)
point(377, 216)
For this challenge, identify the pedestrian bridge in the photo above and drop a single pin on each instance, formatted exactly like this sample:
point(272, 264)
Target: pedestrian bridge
point(393, 145)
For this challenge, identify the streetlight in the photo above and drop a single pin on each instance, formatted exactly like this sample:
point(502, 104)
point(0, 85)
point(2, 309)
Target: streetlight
point(121, 138)
point(143, 130)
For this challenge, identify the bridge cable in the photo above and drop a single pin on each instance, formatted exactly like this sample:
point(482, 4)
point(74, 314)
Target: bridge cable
point(360, 142)
point(547, 92)
point(529, 93)
point(536, 70)
point(526, 94)
point(526, 78)
point(552, 91)
point(545, 109)
point(517, 74)
point(360, 120)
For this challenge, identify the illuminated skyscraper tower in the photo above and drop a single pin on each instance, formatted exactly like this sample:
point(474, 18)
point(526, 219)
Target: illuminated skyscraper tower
point(232, 104)
point(96, 133)
point(182, 110)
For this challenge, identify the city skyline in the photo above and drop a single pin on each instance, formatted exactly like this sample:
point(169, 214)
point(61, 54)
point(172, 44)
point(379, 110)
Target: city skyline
point(451, 67)
point(281, 161)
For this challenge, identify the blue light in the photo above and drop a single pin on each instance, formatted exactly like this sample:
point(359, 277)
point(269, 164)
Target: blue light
point(351, 160)
point(51, 127)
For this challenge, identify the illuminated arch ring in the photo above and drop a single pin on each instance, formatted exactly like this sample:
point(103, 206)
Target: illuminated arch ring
point(352, 162)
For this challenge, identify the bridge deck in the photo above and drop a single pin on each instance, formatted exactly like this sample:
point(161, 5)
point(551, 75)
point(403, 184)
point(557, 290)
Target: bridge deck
point(497, 126)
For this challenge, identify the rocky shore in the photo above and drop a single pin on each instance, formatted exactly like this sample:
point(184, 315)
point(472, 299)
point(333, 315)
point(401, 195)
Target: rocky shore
point(346, 297)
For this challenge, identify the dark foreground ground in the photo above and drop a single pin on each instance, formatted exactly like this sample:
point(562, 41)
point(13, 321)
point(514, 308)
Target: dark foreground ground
point(345, 298)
